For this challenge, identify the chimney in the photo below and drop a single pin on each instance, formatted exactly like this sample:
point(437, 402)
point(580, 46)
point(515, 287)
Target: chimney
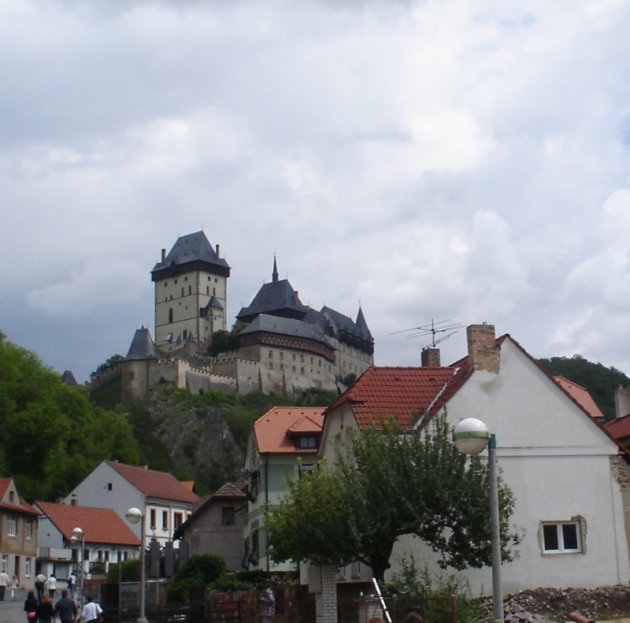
point(483, 353)
point(163, 256)
point(218, 251)
point(622, 401)
point(430, 358)
point(73, 501)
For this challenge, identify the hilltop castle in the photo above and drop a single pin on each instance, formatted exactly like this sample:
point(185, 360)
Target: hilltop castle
point(277, 345)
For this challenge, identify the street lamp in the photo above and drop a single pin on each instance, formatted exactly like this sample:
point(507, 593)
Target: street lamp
point(471, 436)
point(135, 515)
point(78, 537)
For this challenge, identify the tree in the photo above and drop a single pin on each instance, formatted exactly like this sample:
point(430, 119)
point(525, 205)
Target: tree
point(385, 485)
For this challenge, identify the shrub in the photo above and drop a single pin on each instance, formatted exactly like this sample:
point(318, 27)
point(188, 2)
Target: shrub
point(200, 570)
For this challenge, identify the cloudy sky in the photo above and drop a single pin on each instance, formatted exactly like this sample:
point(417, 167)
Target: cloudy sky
point(442, 159)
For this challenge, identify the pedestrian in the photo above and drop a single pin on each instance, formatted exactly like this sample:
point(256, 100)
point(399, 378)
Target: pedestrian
point(30, 607)
point(4, 582)
point(40, 580)
point(91, 611)
point(51, 585)
point(45, 611)
point(267, 603)
point(72, 582)
point(15, 584)
point(65, 608)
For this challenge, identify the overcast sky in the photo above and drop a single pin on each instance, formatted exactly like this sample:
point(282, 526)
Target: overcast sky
point(456, 160)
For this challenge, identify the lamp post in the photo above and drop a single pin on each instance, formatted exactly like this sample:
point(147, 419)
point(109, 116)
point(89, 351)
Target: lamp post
point(78, 537)
point(135, 515)
point(471, 436)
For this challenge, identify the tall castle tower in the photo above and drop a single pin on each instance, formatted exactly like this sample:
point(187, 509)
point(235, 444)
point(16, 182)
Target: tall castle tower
point(190, 292)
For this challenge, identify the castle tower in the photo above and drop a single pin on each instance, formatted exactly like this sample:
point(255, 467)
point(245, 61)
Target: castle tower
point(190, 292)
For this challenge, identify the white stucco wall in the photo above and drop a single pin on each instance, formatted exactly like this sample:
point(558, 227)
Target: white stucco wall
point(556, 461)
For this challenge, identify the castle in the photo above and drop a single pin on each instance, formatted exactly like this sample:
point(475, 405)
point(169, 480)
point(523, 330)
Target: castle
point(277, 345)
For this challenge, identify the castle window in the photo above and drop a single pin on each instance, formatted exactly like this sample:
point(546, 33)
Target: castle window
point(182, 291)
point(281, 355)
point(170, 314)
point(208, 290)
point(165, 283)
point(214, 291)
point(175, 282)
point(293, 368)
point(302, 370)
point(185, 333)
point(185, 278)
point(189, 289)
point(271, 365)
point(293, 356)
point(302, 358)
point(209, 278)
point(270, 354)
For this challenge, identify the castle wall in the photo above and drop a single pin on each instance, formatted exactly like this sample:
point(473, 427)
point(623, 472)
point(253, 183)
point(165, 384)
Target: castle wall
point(350, 360)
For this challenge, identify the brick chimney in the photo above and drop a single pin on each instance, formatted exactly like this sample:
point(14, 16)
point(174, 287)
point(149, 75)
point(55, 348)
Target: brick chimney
point(430, 358)
point(483, 353)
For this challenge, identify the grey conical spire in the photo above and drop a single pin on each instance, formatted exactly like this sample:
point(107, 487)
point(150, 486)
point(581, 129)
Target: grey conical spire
point(274, 274)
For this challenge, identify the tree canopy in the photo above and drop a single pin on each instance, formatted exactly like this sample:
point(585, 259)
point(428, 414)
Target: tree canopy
point(385, 485)
point(52, 436)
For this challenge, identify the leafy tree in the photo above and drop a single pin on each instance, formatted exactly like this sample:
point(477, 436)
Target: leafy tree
point(110, 363)
point(129, 571)
point(200, 570)
point(52, 436)
point(385, 485)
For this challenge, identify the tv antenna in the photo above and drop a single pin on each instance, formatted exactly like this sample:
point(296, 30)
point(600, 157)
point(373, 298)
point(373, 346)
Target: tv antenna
point(434, 329)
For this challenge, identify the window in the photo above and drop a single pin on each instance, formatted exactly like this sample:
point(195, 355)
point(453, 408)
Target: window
point(28, 529)
point(227, 516)
point(179, 519)
point(270, 354)
point(562, 537)
point(152, 523)
point(306, 443)
point(170, 314)
point(27, 566)
point(11, 525)
point(4, 564)
point(304, 469)
point(164, 520)
point(11, 496)
point(254, 481)
point(110, 486)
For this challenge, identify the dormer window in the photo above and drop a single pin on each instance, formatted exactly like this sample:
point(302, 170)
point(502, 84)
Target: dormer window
point(306, 442)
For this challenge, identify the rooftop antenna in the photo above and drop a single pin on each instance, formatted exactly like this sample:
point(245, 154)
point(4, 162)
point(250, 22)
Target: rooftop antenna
point(433, 329)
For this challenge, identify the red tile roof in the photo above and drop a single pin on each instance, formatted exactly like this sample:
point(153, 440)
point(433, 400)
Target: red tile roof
point(100, 525)
point(4, 485)
point(274, 429)
point(581, 396)
point(619, 429)
point(155, 484)
point(401, 393)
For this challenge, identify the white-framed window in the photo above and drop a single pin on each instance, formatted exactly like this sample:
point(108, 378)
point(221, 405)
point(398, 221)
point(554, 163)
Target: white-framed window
point(562, 537)
point(11, 525)
point(27, 566)
point(28, 529)
point(4, 563)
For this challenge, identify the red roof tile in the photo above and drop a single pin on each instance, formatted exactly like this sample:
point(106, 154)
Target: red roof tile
point(619, 429)
point(402, 393)
point(155, 484)
point(273, 430)
point(4, 485)
point(100, 525)
point(581, 396)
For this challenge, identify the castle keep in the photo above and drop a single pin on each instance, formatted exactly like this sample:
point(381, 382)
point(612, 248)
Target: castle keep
point(278, 344)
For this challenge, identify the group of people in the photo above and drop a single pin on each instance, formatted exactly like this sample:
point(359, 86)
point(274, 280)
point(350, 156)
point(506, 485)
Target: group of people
point(8, 583)
point(43, 611)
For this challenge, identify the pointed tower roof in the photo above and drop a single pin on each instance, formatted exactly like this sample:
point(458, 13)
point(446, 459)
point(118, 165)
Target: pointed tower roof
point(362, 327)
point(142, 345)
point(190, 252)
point(277, 298)
point(68, 378)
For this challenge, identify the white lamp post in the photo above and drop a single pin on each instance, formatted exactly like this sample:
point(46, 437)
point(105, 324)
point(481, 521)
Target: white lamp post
point(78, 537)
point(471, 436)
point(135, 515)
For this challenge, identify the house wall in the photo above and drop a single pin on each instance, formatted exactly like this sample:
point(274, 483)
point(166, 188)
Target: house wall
point(209, 535)
point(18, 550)
point(557, 463)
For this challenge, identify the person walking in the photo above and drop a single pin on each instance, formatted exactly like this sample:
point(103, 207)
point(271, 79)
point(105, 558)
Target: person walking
point(45, 611)
point(40, 580)
point(30, 607)
point(91, 611)
point(4, 582)
point(15, 584)
point(72, 582)
point(51, 585)
point(65, 608)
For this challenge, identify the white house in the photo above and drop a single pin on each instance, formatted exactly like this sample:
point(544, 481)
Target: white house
point(106, 539)
point(165, 501)
point(561, 466)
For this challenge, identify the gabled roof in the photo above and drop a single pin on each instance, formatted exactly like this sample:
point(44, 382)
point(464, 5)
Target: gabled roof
point(274, 430)
point(619, 429)
point(403, 394)
point(581, 396)
point(229, 492)
point(155, 484)
point(100, 525)
point(21, 505)
point(190, 252)
point(142, 345)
